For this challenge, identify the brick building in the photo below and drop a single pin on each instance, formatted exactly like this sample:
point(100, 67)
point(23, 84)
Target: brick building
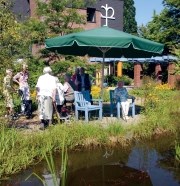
point(102, 12)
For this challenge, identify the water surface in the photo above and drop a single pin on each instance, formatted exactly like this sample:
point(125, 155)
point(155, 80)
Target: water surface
point(142, 164)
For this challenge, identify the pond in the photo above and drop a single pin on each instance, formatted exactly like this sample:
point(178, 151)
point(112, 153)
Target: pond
point(144, 163)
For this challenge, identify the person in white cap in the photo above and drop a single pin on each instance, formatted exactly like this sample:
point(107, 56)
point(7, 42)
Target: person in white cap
point(46, 91)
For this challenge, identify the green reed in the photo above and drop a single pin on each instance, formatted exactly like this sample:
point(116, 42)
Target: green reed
point(51, 167)
point(19, 149)
point(177, 151)
point(64, 160)
point(57, 178)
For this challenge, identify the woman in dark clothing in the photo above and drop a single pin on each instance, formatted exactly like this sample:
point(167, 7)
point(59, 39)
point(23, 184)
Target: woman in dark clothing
point(83, 81)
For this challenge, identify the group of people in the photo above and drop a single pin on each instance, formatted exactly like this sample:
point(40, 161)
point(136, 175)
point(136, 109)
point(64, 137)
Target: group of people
point(51, 93)
point(21, 78)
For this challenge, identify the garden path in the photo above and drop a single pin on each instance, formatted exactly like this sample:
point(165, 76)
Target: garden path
point(33, 124)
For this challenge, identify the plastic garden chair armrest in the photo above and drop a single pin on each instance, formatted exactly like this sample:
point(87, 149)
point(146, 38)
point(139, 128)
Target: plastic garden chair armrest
point(131, 97)
point(98, 100)
point(83, 102)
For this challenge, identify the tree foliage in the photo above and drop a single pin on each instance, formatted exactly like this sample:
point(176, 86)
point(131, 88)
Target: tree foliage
point(35, 30)
point(176, 51)
point(130, 24)
point(61, 17)
point(165, 27)
point(13, 40)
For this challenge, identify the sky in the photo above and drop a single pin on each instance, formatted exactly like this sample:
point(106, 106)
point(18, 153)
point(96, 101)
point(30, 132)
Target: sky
point(145, 8)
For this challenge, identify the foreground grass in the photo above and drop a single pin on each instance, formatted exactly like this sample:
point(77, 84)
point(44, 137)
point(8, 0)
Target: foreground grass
point(19, 149)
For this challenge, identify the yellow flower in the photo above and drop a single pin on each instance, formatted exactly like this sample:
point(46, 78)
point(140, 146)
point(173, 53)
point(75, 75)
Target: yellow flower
point(33, 95)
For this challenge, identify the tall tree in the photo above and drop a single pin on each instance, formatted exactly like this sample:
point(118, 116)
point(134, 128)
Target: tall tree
point(130, 24)
point(57, 17)
point(12, 38)
point(165, 27)
point(61, 17)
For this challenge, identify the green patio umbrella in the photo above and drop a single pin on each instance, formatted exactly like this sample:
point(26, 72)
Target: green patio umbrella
point(104, 42)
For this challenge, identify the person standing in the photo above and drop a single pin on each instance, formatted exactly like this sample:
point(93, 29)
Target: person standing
point(21, 78)
point(46, 91)
point(74, 77)
point(7, 91)
point(121, 94)
point(76, 72)
point(83, 81)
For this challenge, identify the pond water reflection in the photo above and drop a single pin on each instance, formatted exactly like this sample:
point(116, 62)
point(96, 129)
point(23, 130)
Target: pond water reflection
point(144, 163)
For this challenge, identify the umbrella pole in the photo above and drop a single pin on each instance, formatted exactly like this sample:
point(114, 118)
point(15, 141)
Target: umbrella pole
point(102, 74)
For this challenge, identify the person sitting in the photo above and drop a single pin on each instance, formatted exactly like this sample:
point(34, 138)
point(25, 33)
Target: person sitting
point(59, 95)
point(121, 94)
point(69, 88)
point(46, 91)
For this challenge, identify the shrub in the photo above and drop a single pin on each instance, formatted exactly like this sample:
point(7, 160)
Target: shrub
point(96, 93)
point(112, 80)
point(126, 79)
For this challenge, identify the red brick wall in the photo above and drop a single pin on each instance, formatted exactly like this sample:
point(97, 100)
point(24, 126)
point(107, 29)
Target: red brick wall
point(32, 8)
point(137, 74)
point(171, 76)
point(89, 25)
point(158, 73)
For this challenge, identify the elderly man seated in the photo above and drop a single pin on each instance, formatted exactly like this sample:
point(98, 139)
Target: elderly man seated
point(121, 94)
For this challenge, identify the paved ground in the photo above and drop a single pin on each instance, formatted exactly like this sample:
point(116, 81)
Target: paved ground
point(34, 123)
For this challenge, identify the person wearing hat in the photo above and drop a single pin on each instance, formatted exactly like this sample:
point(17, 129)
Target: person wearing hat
point(21, 78)
point(46, 91)
point(7, 91)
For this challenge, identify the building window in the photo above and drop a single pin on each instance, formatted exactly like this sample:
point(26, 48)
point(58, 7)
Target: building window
point(91, 15)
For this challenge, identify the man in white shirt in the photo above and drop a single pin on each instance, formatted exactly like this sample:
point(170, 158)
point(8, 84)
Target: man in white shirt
point(46, 91)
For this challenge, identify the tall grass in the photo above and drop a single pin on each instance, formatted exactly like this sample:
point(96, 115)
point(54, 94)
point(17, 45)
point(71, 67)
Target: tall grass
point(64, 159)
point(51, 167)
point(19, 149)
point(56, 178)
point(160, 110)
point(177, 151)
